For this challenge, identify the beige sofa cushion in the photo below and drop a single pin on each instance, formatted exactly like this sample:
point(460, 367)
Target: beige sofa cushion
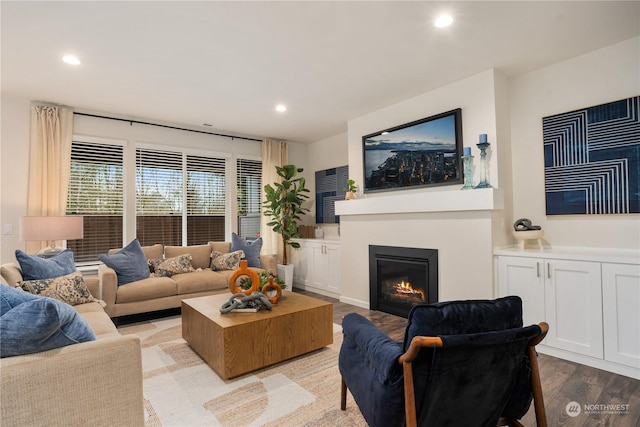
point(99, 321)
point(153, 252)
point(11, 273)
point(224, 247)
point(199, 281)
point(147, 289)
point(200, 254)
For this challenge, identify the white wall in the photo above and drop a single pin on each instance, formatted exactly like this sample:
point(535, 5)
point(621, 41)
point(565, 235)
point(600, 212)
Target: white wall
point(324, 154)
point(604, 75)
point(464, 240)
point(510, 112)
point(475, 95)
point(14, 161)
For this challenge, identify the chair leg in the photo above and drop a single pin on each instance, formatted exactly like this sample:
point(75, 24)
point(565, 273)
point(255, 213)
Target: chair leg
point(343, 395)
point(536, 387)
point(409, 396)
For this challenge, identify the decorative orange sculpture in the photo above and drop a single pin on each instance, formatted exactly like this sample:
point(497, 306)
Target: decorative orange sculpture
point(244, 270)
point(272, 286)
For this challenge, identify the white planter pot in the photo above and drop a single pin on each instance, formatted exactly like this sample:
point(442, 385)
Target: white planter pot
point(285, 272)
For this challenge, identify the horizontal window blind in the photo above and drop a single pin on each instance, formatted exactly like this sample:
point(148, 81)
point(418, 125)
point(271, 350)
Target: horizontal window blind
point(206, 199)
point(249, 199)
point(158, 182)
point(159, 197)
point(96, 192)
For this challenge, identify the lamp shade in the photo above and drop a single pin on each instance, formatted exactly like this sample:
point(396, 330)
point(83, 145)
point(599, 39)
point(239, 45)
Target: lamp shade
point(51, 228)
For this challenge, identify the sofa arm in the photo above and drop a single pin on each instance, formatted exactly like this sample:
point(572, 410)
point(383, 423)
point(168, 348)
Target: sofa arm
point(93, 283)
point(108, 287)
point(269, 263)
point(97, 382)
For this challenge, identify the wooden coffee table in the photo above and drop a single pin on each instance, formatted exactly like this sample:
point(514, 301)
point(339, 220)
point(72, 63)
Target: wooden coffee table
point(234, 343)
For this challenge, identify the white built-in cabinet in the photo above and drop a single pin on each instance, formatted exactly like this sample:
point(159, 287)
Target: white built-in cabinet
point(317, 266)
point(591, 300)
point(621, 310)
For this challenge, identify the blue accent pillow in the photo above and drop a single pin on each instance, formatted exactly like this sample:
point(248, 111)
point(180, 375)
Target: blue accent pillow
point(11, 297)
point(251, 250)
point(38, 324)
point(129, 263)
point(35, 268)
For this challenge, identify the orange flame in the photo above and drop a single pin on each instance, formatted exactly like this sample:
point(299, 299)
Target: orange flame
point(406, 288)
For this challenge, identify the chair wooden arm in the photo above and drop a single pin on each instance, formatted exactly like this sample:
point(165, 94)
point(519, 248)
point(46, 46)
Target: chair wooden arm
point(420, 342)
point(417, 343)
point(536, 386)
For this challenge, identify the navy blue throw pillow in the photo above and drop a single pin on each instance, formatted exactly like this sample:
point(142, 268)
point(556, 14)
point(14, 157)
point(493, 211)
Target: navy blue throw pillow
point(129, 263)
point(35, 268)
point(251, 250)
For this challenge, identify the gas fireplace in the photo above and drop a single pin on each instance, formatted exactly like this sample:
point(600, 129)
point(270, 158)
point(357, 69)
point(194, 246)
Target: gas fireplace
point(400, 278)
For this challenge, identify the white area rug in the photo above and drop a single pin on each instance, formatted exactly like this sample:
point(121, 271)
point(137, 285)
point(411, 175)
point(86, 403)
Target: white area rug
point(181, 390)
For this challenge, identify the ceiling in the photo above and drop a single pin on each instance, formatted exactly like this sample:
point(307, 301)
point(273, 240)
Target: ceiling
point(229, 63)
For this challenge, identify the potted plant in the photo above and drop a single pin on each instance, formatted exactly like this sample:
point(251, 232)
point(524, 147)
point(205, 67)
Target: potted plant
point(351, 190)
point(283, 203)
point(245, 282)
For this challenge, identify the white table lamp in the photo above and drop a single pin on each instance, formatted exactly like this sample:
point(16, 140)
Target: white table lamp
point(51, 228)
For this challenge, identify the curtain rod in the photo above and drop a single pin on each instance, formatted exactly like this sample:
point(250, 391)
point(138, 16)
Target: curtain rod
point(166, 126)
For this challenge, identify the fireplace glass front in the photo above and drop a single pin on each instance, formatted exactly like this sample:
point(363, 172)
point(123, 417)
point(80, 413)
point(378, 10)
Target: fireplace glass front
point(401, 278)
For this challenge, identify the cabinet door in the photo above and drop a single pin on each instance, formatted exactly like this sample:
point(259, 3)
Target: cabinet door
point(621, 303)
point(319, 277)
point(301, 260)
point(332, 254)
point(573, 303)
point(523, 277)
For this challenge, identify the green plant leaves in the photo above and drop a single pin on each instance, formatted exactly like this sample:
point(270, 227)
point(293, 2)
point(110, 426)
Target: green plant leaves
point(283, 203)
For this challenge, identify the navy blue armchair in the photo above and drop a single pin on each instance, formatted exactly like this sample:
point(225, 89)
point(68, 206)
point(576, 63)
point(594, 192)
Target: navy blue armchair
point(462, 363)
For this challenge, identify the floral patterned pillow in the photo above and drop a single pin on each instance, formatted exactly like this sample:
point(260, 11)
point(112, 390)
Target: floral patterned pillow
point(176, 265)
point(230, 261)
point(70, 288)
point(154, 263)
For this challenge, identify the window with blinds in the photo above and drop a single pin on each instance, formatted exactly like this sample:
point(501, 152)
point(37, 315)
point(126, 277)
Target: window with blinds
point(249, 202)
point(96, 193)
point(159, 197)
point(174, 192)
point(206, 199)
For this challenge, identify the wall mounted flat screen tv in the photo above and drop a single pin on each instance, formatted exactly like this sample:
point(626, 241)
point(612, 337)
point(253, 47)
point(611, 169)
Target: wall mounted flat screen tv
point(423, 153)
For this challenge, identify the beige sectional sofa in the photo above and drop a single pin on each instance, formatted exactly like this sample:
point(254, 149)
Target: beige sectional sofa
point(92, 383)
point(160, 293)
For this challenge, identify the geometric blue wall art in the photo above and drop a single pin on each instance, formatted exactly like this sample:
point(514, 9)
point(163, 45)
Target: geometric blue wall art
point(592, 159)
point(331, 185)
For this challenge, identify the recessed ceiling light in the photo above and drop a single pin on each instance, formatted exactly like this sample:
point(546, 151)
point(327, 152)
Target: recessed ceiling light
point(281, 108)
point(385, 133)
point(444, 20)
point(70, 59)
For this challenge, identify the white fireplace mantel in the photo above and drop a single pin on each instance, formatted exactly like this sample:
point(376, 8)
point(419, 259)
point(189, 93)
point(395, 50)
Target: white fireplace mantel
point(485, 199)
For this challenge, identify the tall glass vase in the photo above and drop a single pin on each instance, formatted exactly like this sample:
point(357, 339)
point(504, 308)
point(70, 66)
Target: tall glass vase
point(484, 166)
point(467, 163)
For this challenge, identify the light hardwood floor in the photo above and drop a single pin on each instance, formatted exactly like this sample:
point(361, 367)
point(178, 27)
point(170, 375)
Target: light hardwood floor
point(562, 381)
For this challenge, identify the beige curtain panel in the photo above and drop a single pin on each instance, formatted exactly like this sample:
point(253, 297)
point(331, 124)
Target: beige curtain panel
point(274, 153)
point(49, 164)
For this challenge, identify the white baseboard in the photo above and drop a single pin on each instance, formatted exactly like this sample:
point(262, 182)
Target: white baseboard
point(356, 302)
